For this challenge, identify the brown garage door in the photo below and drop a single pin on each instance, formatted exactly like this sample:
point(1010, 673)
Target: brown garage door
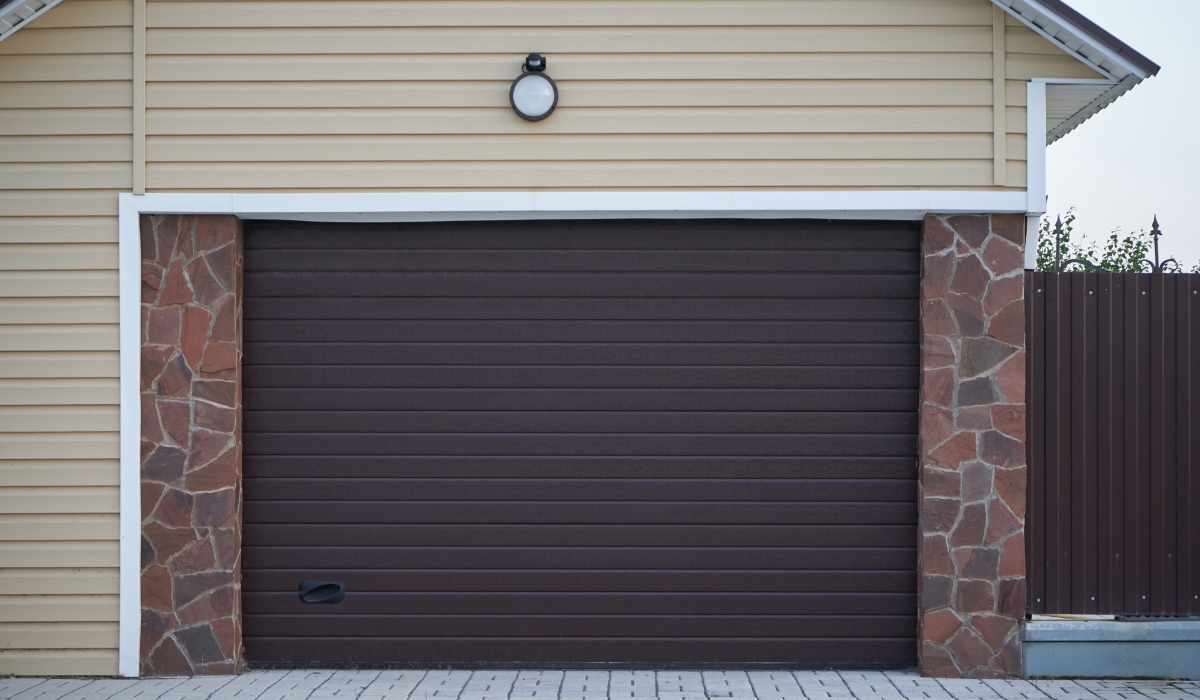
point(596, 441)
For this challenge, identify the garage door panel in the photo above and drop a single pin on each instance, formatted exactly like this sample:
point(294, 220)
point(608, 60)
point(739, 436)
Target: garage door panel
point(656, 399)
point(550, 603)
point(652, 558)
point(661, 234)
point(494, 467)
point(873, 650)
point(658, 331)
point(582, 441)
point(317, 512)
point(551, 284)
point(570, 309)
point(597, 626)
point(582, 356)
point(666, 261)
point(584, 444)
point(345, 489)
point(577, 377)
point(879, 422)
point(459, 535)
point(597, 581)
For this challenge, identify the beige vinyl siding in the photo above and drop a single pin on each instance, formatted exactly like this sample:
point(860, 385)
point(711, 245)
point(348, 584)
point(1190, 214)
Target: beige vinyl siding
point(65, 116)
point(394, 95)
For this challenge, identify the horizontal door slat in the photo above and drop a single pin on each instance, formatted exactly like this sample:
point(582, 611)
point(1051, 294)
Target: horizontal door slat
point(807, 490)
point(261, 535)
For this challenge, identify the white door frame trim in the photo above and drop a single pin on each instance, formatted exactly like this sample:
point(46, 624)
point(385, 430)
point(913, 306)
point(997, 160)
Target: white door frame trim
point(908, 205)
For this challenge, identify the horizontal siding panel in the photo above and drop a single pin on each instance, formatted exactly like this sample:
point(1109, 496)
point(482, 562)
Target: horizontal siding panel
point(59, 446)
point(65, 203)
point(89, 13)
point(60, 581)
point(60, 392)
point(79, 310)
point(70, 94)
point(53, 365)
point(565, 147)
point(63, 499)
point(605, 174)
point(556, 41)
point(582, 93)
point(58, 608)
point(63, 229)
point(53, 662)
point(58, 338)
point(57, 555)
point(1017, 173)
point(667, 120)
point(65, 149)
point(58, 635)
point(67, 68)
point(58, 256)
point(86, 40)
point(58, 528)
point(67, 122)
point(60, 419)
point(38, 176)
point(1024, 66)
point(69, 283)
point(63, 472)
point(566, 13)
point(567, 67)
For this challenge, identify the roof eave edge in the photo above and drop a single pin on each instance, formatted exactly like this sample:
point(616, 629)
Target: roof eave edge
point(1078, 33)
point(16, 28)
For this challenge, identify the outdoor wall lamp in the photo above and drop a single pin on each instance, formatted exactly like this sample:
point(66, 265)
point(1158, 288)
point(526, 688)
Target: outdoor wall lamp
point(533, 94)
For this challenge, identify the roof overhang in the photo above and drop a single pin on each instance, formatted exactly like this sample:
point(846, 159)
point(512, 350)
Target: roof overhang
point(1071, 103)
point(15, 14)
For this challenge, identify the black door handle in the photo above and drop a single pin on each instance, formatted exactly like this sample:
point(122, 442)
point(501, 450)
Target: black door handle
point(322, 592)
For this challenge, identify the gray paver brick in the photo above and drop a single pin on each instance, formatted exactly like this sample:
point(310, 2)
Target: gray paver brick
point(586, 685)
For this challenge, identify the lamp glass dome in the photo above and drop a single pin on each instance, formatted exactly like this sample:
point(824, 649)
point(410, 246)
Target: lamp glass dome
point(534, 96)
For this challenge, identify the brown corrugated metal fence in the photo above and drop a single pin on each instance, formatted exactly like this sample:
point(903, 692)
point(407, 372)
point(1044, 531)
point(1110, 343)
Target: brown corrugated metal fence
point(1114, 443)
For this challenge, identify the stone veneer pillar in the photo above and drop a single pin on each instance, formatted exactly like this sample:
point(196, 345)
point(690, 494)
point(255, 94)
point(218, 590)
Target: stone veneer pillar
point(191, 445)
point(973, 473)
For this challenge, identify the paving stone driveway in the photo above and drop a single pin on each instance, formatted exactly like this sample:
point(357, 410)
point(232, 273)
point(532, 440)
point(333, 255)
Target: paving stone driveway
point(585, 685)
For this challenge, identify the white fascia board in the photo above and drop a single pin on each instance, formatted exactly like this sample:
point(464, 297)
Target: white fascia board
point(1021, 8)
point(908, 205)
point(458, 206)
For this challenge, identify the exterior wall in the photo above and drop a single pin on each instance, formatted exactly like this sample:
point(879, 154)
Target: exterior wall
point(65, 121)
point(191, 445)
point(972, 588)
point(394, 95)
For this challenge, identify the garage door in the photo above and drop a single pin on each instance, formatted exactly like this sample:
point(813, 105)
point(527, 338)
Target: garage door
point(595, 441)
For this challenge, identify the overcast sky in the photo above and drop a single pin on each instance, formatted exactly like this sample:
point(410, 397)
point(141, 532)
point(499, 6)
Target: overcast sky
point(1141, 155)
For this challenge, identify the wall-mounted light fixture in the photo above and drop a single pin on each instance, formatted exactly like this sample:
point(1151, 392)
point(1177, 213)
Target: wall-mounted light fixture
point(533, 94)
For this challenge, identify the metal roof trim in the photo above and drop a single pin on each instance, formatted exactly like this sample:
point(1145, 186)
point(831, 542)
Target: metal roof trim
point(14, 15)
point(1081, 37)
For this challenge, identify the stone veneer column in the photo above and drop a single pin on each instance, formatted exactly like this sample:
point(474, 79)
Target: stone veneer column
point(973, 472)
point(191, 445)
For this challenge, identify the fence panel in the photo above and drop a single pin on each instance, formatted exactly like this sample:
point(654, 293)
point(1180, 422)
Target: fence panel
point(1113, 526)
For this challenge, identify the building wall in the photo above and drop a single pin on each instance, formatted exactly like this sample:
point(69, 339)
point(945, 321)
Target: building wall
point(401, 95)
point(65, 97)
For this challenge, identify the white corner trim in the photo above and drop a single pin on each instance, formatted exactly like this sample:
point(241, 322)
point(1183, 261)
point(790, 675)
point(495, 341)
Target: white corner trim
point(129, 261)
point(907, 205)
point(1035, 157)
